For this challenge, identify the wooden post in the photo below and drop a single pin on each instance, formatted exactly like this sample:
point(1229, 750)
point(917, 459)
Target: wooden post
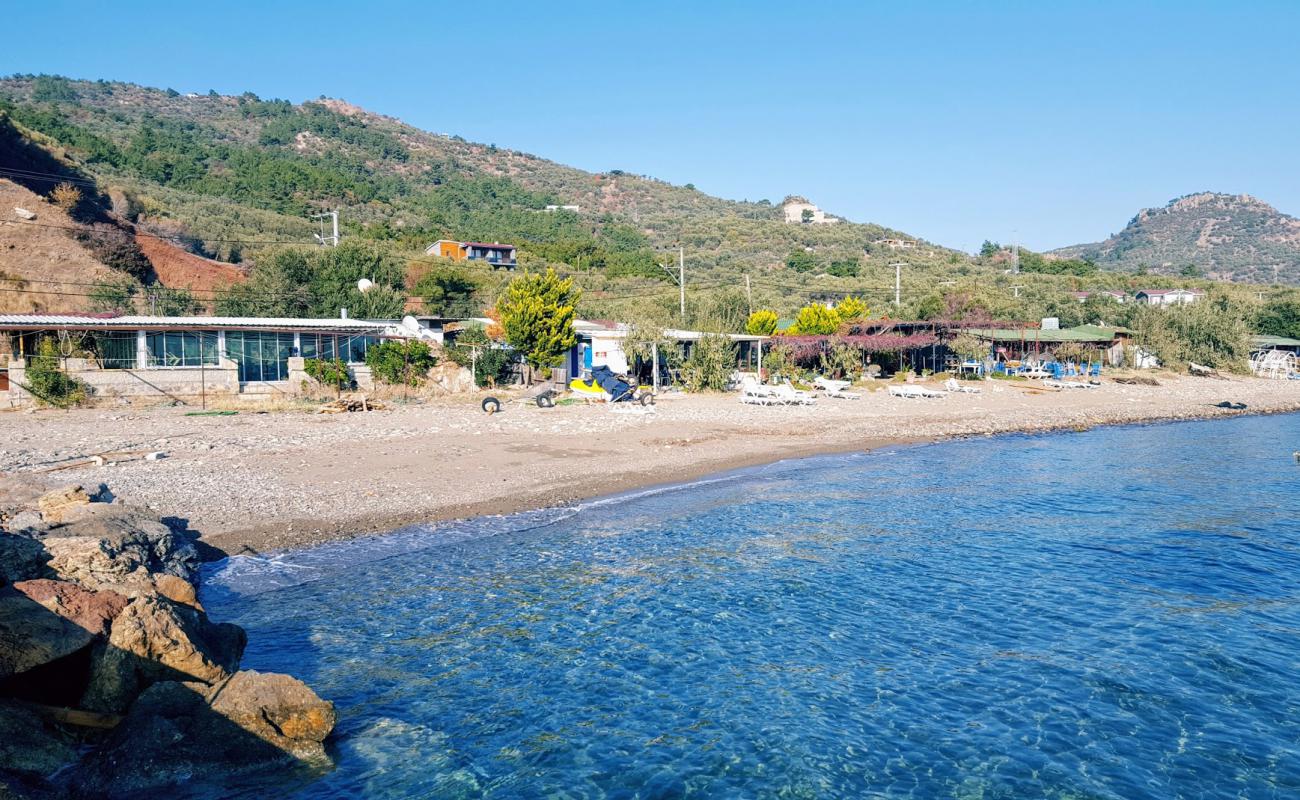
point(654, 365)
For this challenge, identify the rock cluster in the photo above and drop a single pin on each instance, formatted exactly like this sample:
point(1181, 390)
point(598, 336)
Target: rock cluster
point(113, 680)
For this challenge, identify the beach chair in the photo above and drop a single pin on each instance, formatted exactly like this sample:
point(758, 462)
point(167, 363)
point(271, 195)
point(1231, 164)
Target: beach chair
point(913, 392)
point(791, 396)
point(834, 388)
point(756, 394)
point(953, 385)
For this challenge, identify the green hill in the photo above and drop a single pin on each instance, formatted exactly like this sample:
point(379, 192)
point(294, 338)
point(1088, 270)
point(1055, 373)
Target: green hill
point(1223, 236)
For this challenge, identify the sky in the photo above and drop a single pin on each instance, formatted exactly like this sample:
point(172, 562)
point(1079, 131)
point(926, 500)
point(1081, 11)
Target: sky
point(1043, 123)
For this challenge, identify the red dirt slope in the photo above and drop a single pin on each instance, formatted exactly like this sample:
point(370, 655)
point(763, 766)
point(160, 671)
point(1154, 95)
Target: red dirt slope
point(177, 268)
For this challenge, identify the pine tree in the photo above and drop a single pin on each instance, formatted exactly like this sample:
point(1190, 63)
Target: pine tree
point(537, 313)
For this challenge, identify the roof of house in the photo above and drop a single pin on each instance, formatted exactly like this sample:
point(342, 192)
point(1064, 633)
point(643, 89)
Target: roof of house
point(91, 322)
point(1083, 333)
point(1265, 340)
point(494, 245)
point(1158, 292)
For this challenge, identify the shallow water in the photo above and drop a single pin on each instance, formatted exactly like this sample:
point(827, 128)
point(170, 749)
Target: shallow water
point(1085, 615)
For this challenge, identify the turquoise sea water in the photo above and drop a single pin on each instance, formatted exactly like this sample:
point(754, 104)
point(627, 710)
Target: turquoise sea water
point(1108, 614)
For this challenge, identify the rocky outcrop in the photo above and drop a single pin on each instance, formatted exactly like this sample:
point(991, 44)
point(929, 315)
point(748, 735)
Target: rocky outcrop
point(30, 636)
point(94, 611)
point(121, 551)
point(181, 731)
point(99, 613)
point(155, 639)
point(448, 377)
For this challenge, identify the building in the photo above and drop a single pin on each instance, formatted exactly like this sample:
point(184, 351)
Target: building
point(600, 342)
point(574, 209)
point(798, 210)
point(1168, 297)
point(1118, 297)
point(184, 359)
point(1104, 343)
point(495, 254)
point(895, 244)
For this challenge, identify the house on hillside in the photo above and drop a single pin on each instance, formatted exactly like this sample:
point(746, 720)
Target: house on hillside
point(574, 209)
point(187, 359)
point(798, 210)
point(895, 244)
point(495, 254)
point(1168, 297)
point(1118, 297)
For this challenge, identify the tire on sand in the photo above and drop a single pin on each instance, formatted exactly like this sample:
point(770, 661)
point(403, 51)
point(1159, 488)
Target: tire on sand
point(491, 405)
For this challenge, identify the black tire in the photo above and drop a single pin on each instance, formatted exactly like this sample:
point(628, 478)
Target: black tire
point(491, 405)
point(545, 400)
point(647, 399)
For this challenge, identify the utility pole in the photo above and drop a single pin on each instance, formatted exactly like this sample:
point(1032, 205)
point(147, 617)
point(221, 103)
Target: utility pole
point(898, 282)
point(681, 279)
point(1016, 289)
point(749, 295)
point(1015, 254)
point(321, 237)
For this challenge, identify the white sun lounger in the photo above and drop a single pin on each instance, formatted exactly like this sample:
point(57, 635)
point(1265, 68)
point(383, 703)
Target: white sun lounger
point(834, 388)
point(953, 385)
point(1069, 384)
point(914, 391)
point(756, 394)
point(792, 396)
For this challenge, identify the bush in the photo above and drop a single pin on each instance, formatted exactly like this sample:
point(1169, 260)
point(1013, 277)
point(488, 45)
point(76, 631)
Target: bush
point(328, 372)
point(474, 350)
point(816, 320)
point(761, 323)
point(1211, 332)
point(710, 364)
point(49, 383)
point(401, 362)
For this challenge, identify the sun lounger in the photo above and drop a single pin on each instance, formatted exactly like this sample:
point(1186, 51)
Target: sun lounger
point(834, 388)
point(914, 391)
point(953, 385)
point(756, 394)
point(1069, 384)
point(792, 396)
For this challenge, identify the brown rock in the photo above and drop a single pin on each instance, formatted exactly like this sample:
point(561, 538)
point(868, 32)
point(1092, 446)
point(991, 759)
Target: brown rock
point(54, 505)
point(278, 709)
point(22, 558)
point(31, 636)
point(93, 611)
point(121, 552)
point(155, 639)
point(177, 589)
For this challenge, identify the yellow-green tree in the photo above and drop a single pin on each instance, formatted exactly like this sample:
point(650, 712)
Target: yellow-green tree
point(761, 323)
point(851, 308)
point(537, 312)
point(816, 319)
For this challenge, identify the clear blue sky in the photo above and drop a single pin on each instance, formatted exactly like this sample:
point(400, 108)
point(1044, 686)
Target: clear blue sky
point(955, 121)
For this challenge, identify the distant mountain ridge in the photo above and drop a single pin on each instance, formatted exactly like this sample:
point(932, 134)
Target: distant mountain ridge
point(1225, 236)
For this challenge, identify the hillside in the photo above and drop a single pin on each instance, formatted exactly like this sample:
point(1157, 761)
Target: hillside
point(231, 177)
point(1228, 237)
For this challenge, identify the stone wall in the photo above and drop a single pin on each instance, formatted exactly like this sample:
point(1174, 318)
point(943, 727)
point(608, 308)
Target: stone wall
point(157, 383)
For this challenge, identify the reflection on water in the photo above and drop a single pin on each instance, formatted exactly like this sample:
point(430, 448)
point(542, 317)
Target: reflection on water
point(1101, 614)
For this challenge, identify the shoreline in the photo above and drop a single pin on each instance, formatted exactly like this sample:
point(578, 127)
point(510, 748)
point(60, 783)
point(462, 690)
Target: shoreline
point(285, 481)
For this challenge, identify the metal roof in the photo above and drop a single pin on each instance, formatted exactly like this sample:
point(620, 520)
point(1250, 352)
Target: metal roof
point(1084, 333)
point(1265, 340)
point(68, 321)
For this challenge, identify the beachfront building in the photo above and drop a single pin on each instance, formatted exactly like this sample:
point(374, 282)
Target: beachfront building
point(184, 358)
point(1118, 297)
point(1168, 297)
point(600, 342)
point(1104, 344)
point(497, 255)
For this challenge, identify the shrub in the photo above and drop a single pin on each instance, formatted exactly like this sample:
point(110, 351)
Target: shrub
point(816, 320)
point(49, 383)
point(66, 196)
point(851, 308)
point(710, 364)
point(761, 323)
point(401, 362)
point(328, 372)
point(474, 350)
point(537, 313)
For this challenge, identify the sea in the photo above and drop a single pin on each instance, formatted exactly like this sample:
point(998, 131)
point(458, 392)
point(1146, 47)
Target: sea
point(1112, 613)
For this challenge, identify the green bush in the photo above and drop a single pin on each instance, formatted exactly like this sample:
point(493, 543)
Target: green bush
point(328, 372)
point(491, 365)
point(48, 382)
point(710, 364)
point(401, 362)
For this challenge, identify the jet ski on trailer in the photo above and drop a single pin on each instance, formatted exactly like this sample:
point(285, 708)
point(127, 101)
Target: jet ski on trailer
point(605, 384)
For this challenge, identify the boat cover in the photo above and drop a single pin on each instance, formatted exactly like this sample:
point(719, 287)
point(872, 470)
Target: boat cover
point(618, 389)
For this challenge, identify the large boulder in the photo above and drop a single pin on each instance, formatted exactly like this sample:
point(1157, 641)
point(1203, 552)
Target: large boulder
point(186, 731)
point(448, 377)
point(55, 505)
point(31, 636)
point(22, 558)
point(94, 611)
point(155, 639)
point(121, 551)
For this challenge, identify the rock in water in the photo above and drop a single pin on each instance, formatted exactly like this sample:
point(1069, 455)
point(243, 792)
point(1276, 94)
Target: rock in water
point(31, 636)
point(155, 639)
point(94, 611)
point(21, 558)
point(120, 553)
point(177, 732)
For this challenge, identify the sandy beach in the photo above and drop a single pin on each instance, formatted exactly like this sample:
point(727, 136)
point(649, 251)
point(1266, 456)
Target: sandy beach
point(285, 479)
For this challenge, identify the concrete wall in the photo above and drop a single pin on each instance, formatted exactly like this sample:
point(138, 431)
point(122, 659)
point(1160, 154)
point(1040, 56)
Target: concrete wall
point(158, 384)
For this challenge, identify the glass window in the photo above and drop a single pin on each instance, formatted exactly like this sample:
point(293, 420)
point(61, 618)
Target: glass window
point(182, 348)
point(260, 356)
point(116, 349)
point(354, 348)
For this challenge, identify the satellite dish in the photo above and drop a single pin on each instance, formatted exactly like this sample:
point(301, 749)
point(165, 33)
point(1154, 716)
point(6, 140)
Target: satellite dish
point(364, 285)
point(410, 323)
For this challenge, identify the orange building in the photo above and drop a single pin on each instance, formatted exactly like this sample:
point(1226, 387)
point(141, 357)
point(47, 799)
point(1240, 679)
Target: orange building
point(496, 254)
